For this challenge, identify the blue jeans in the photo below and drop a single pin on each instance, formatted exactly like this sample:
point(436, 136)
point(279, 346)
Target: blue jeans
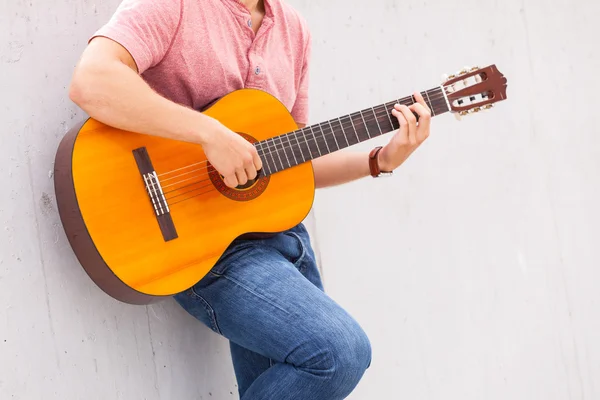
point(288, 339)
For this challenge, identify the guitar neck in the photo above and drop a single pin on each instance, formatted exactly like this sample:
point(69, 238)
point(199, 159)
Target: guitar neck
point(286, 151)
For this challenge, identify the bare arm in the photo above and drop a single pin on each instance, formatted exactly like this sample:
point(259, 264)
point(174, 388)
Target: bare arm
point(342, 167)
point(339, 168)
point(107, 86)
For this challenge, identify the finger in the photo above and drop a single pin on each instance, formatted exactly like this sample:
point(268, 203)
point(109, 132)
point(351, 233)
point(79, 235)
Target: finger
point(256, 160)
point(403, 131)
point(424, 121)
point(231, 181)
point(249, 167)
point(412, 124)
point(420, 100)
point(251, 172)
point(242, 178)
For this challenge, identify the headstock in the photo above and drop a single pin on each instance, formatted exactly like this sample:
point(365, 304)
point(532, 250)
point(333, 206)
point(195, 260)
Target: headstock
point(474, 89)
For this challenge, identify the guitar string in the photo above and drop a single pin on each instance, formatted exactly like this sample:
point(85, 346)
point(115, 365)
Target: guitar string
point(210, 185)
point(376, 113)
point(432, 98)
point(273, 148)
point(268, 149)
point(211, 169)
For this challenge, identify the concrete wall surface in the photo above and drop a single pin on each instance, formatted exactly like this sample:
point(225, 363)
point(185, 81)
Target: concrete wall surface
point(473, 270)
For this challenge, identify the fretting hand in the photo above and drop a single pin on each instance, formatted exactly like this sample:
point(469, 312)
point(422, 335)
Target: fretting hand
point(410, 135)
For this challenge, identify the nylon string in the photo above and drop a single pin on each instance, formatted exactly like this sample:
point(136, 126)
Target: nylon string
point(377, 112)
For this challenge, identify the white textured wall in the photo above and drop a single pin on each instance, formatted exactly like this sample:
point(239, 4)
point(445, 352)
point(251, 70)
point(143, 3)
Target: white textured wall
point(480, 280)
point(475, 270)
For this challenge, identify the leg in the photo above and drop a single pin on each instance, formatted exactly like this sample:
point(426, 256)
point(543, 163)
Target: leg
point(259, 300)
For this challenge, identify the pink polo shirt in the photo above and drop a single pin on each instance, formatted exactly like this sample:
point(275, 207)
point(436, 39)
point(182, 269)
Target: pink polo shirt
point(196, 51)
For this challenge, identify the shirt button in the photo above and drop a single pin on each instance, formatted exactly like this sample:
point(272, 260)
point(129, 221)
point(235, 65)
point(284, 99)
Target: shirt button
point(257, 70)
point(250, 23)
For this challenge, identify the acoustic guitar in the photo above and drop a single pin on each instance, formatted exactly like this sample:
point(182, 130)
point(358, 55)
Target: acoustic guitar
point(148, 217)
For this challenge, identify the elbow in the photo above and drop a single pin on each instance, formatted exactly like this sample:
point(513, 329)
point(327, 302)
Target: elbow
point(79, 89)
point(86, 86)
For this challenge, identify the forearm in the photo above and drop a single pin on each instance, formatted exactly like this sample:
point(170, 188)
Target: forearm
point(116, 95)
point(339, 168)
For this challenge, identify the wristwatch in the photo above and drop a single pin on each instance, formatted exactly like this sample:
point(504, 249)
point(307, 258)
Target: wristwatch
point(374, 164)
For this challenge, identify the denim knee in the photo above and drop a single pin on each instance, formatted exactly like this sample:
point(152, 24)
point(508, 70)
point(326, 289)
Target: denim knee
point(344, 356)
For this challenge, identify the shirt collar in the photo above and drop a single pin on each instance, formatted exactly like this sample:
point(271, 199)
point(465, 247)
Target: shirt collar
point(241, 7)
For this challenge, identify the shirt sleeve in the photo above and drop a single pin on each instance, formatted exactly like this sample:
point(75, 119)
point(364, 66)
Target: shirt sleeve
point(145, 28)
point(300, 110)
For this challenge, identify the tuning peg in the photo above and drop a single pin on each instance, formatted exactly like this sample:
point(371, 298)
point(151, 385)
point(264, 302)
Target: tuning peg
point(464, 113)
point(458, 116)
point(476, 109)
point(465, 70)
point(475, 68)
point(488, 106)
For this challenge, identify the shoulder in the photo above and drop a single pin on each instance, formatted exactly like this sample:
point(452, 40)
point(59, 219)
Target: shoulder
point(292, 19)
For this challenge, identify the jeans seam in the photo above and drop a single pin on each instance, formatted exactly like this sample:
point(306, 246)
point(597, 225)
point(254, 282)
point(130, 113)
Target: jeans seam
point(300, 259)
point(209, 310)
point(254, 293)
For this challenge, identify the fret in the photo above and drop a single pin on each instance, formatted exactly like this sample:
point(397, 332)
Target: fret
point(270, 151)
point(299, 147)
point(265, 160)
point(291, 147)
point(388, 113)
point(283, 147)
point(377, 120)
point(362, 134)
point(355, 131)
point(365, 122)
point(329, 139)
point(304, 147)
point(373, 127)
point(344, 131)
point(334, 135)
point(324, 138)
point(267, 166)
point(430, 105)
point(315, 139)
point(276, 151)
point(307, 143)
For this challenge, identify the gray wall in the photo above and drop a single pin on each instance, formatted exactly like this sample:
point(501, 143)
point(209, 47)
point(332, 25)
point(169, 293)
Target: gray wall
point(480, 280)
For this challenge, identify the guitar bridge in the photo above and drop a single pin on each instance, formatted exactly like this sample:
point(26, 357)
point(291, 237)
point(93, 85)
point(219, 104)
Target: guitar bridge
point(156, 194)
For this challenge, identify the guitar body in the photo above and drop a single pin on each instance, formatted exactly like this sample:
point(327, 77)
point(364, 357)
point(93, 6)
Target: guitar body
point(112, 222)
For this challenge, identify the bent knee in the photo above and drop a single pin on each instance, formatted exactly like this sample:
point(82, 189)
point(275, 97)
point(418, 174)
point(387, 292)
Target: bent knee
point(352, 352)
point(344, 357)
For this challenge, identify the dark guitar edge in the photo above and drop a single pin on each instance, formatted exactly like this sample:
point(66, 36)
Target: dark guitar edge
point(77, 233)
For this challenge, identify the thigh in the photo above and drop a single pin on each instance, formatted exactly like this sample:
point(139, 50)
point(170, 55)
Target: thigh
point(262, 302)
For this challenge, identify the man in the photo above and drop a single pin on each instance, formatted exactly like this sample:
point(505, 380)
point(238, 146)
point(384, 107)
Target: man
point(149, 70)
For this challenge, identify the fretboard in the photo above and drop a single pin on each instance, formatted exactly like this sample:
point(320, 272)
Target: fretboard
point(286, 151)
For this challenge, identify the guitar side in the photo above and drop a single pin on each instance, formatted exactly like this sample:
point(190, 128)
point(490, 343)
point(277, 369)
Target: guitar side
point(111, 221)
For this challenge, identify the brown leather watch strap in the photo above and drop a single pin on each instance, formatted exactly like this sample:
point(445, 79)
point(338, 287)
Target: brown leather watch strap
point(374, 163)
